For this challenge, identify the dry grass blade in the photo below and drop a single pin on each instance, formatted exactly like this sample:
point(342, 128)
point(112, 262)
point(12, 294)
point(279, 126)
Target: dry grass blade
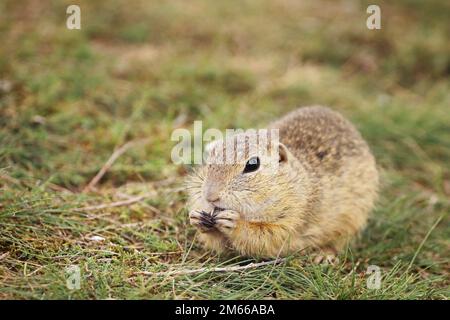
point(114, 156)
point(122, 203)
point(221, 269)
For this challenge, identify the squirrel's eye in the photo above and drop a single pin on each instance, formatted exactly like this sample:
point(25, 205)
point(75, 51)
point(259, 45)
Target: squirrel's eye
point(251, 165)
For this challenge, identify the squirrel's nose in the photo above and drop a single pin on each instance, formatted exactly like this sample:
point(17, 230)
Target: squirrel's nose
point(211, 197)
point(212, 194)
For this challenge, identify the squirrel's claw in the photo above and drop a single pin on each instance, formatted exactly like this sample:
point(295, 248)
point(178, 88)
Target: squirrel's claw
point(207, 220)
point(221, 220)
point(200, 220)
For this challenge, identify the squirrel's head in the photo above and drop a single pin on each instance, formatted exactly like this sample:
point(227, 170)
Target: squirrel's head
point(251, 173)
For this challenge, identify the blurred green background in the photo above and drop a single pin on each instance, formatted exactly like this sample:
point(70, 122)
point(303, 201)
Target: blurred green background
point(139, 69)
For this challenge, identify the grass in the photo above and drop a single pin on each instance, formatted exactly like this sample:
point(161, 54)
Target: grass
point(137, 70)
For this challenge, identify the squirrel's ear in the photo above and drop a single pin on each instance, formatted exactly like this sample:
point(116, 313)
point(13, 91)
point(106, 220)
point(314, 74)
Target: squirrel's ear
point(283, 153)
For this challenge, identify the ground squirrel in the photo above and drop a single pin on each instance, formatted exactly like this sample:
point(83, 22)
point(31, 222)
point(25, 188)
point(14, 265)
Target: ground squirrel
point(319, 196)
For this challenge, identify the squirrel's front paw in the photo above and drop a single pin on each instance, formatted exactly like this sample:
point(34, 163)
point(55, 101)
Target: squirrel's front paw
point(202, 220)
point(226, 221)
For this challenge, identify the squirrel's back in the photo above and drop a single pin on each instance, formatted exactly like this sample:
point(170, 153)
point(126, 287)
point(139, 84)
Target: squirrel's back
point(320, 136)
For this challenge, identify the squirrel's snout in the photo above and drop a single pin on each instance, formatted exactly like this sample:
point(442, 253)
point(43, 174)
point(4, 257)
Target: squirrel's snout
point(212, 193)
point(212, 197)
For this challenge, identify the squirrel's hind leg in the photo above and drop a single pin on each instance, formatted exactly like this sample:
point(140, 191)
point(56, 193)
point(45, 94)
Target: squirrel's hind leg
point(326, 256)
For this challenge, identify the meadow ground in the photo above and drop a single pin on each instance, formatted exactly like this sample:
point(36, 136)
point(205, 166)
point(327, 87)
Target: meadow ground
point(139, 69)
